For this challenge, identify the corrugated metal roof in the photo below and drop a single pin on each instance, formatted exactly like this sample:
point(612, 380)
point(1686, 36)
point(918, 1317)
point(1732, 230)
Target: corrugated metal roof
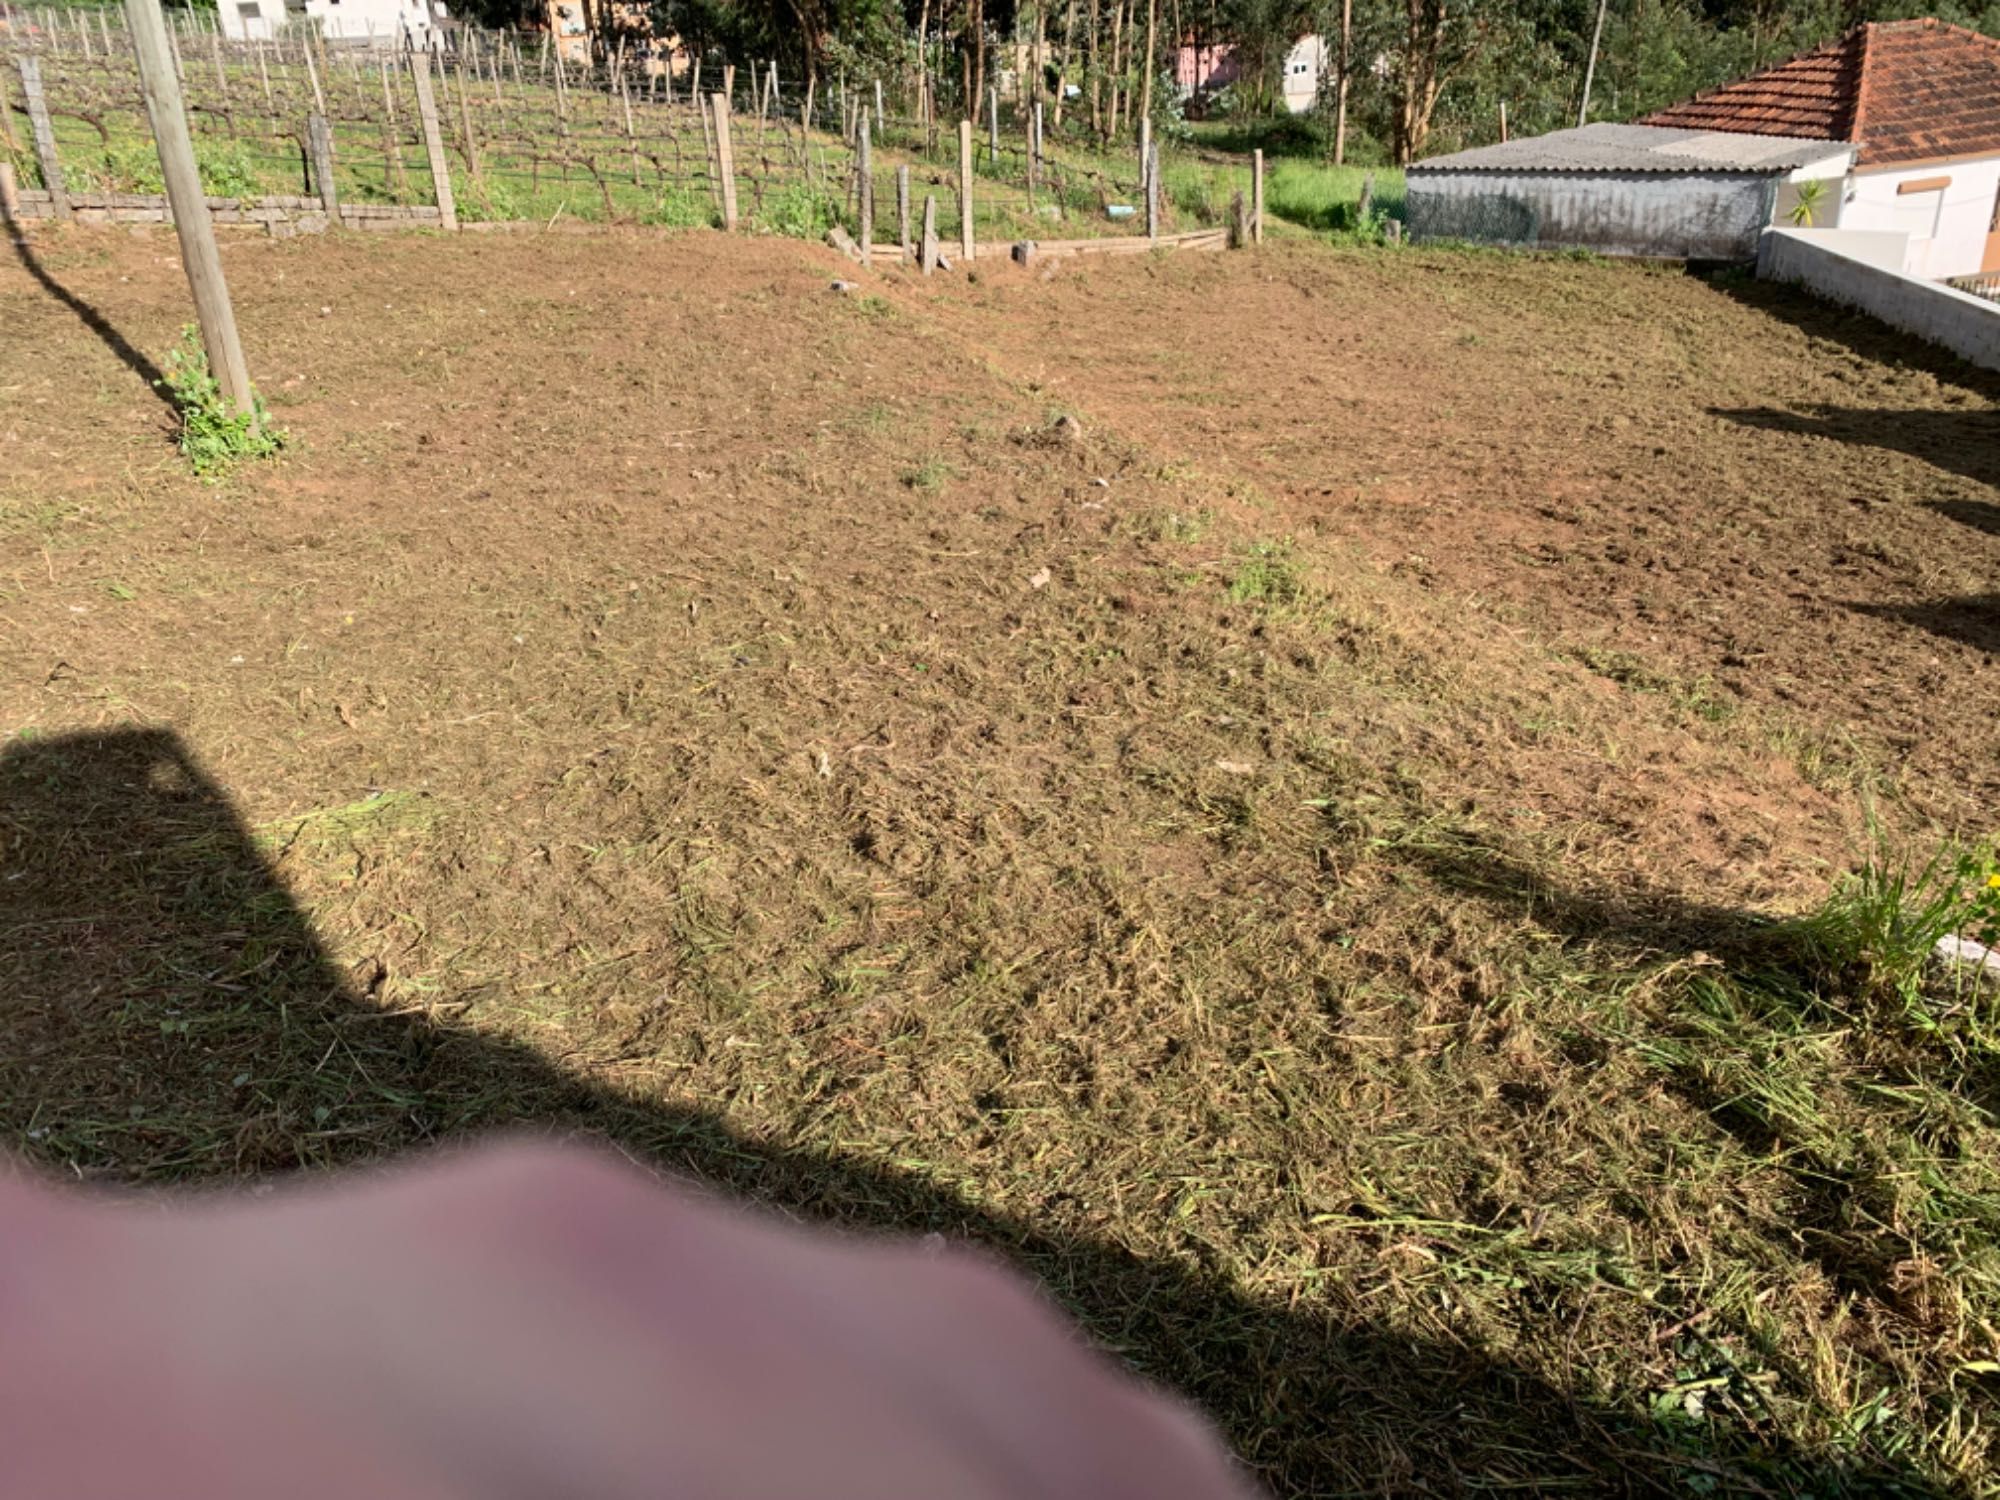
point(1605, 147)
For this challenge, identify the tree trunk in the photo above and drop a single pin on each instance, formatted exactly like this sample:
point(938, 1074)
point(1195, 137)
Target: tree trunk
point(1063, 68)
point(1152, 53)
point(1424, 42)
point(976, 95)
point(1340, 83)
point(1117, 62)
point(1096, 76)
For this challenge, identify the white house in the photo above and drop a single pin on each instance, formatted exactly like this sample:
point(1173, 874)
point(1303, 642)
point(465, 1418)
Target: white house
point(1919, 102)
point(1304, 65)
point(381, 22)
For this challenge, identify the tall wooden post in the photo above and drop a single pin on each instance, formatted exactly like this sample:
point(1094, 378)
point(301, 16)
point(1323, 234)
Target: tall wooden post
point(927, 252)
point(189, 204)
point(44, 133)
point(725, 158)
point(965, 242)
point(903, 209)
point(1145, 157)
point(864, 165)
point(1152, 190)
point(319, 141)
point(312, 72)
point(420, 75)
point(472, 141)
point(1256, 197)
point(993, 129)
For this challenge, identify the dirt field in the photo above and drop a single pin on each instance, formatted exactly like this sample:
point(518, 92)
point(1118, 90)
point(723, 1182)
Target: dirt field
point(1273, 858)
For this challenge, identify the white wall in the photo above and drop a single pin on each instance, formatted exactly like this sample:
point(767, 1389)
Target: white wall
point(1819, 260)
point(380, 19)
point(1947, 227)
point(352, 20)
point(250, 20)
point(1303, 66)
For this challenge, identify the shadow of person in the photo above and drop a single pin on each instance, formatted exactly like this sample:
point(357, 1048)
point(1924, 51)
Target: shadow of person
point(1965, 442)
point(170, 1015)
point(1970, 619)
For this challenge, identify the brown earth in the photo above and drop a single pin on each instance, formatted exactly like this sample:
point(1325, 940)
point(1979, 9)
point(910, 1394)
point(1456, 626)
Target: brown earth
point(1225, 854)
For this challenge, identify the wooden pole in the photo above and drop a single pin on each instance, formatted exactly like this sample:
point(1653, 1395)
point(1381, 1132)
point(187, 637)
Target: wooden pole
point(1256, 197)
point(865, 166)
point(392, 146)
point(1032, 155)
point(965, 242)
point(45, 135)
point(903, 209)
point(472, 141)
point(993, 129)
point(708, 143)
point(1503, 121)
point(725, 158)
point(420, 75)
point(927, 254)
point(188, 203)
point(319, 140)
point(312, 72)
point(1145, 157)
point(1152, 189)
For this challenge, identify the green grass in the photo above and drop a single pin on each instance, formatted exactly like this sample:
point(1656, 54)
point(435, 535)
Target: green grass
point(215, 435)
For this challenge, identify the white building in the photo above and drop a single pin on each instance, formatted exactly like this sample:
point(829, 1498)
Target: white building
point(1919, 102)
point(1305, 64)
point(381, 22)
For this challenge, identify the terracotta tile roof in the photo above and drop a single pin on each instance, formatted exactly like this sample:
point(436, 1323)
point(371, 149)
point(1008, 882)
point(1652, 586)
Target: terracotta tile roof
point(1904, 90)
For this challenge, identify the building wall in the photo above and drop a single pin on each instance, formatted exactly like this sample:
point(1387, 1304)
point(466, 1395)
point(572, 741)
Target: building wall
point(385, 21)
point(250, 20)
point(382, 20)
point(1302, 68)
point(1211, 65)
point(1947, 225)
point(1838, 265)
point(1694, 215)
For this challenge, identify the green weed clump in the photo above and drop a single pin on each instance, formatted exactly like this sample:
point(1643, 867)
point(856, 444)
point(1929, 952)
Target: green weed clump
point(214, 436)
point(1881, 927)
point(799, 212)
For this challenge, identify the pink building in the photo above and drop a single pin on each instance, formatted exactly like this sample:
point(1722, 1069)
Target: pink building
point(1208, 66)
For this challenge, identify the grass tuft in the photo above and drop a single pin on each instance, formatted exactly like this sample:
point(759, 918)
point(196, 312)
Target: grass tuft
point(214, 436)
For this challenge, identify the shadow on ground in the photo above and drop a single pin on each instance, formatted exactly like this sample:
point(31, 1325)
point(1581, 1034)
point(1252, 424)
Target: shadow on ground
point(1965, 442)
point(1859, 333)
point(171, 1016)
point(89, 316)
point(1972, 620)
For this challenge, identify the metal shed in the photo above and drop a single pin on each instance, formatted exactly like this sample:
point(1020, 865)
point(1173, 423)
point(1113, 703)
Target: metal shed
point(1647, 190)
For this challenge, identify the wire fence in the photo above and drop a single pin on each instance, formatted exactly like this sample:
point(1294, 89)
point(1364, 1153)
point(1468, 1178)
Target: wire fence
point(526, 134)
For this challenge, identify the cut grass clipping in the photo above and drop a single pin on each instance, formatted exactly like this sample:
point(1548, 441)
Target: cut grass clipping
point(214, 436)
